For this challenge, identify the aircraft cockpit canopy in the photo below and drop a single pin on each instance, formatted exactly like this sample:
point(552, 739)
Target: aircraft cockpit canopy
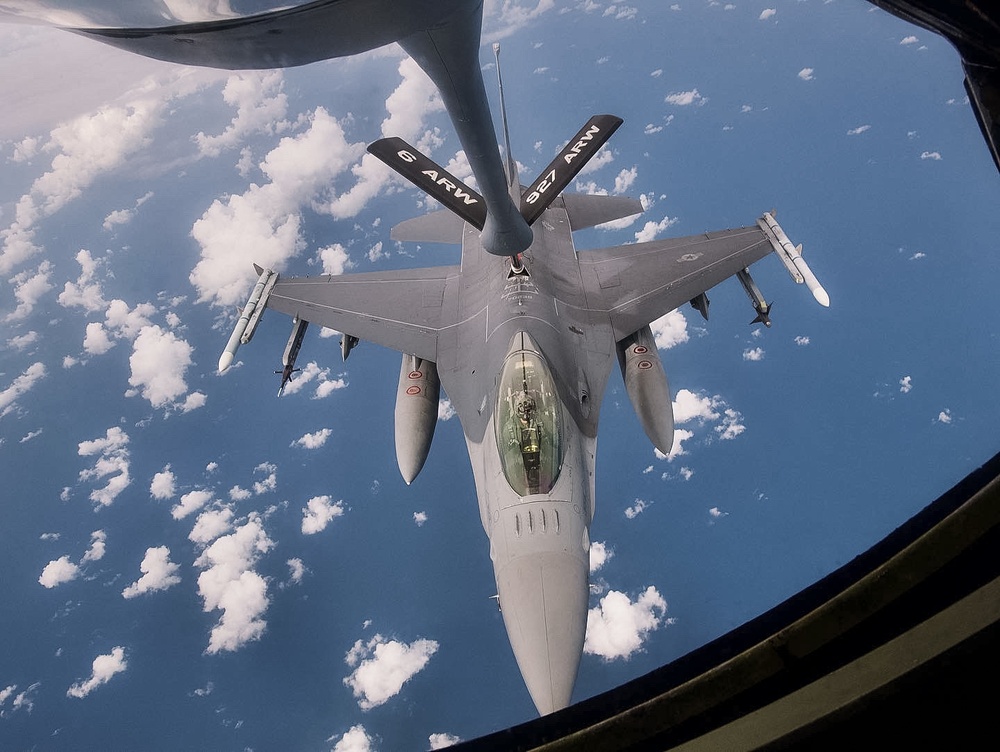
point(528, 424)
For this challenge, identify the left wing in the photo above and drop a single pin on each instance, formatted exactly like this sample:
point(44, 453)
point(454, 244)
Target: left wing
point(636, 284)
point(401, 310)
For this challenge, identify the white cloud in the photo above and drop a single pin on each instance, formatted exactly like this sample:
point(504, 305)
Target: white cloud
point(445, 410)
point(636, 509)
point(85, 292)
point(690, 406)
point(210, 525)
point(677, 448)
point(296, 570)
point(859, 130)
point(442, 741)
point(625, 179)
point(806, 74)
point(755, 354)
point(260, 108)
point(905, 384)
point(20, 386)
point(731, 425)
point(159, 362)
point(163, 485)
point(319, 512)
point(651, 229)
point(313, 440)
point(96, 340)
point(98, 539)
point(325, 385)
point(30, 435)
point(420, 518)
point(113, 461)
point(617, 626)
point(766, 14)
point(908, 40)
point(355, 739)
point(23, 341)
point(944, 416)
point(334, 259)
point(191, 502)
point(382, 667)
point(600, 553)
point(229, 584)
point(669, 330)
point(801, 341)
point(716, 513)
point(29, 287)
point(85, 147)
point(124, 216)
point(935, 155)
point(686, 98)
point(59, 571)
point(270, 481)
point(104, 667)
point(158, 573)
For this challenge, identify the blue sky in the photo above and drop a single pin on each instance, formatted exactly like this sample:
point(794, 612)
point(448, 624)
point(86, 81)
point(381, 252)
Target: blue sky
point(190, 562)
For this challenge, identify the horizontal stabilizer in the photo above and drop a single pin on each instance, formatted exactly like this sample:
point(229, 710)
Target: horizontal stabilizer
point(567, 164)
point(431, 178)
point(437, 227)
point(586, 210)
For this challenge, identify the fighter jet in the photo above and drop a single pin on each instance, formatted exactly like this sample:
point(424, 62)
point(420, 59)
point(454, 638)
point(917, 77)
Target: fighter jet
point(522, 334)
point(523, 346)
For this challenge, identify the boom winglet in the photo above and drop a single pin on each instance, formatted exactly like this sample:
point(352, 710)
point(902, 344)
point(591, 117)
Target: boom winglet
point(431, 178)
point(567, 164)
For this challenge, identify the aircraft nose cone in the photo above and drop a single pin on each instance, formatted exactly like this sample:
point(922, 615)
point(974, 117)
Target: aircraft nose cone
point(543, 598)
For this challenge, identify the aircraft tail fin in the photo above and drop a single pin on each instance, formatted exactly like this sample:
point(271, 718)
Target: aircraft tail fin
point(567, 165)
point(432, 179)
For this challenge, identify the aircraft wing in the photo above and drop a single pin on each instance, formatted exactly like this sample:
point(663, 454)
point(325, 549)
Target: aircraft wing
point(636, 284)
point(397, 309)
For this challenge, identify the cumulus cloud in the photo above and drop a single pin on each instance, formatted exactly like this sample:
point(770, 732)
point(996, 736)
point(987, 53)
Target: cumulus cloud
point(20, 386)
point(355, 740)
point(104, 667)
point(905, 384)
point(325, 384)
point(124, 216)
point(230, 585)
point(686, 98)
point(85, 293)
point(651, 229)
point(113, 461)
point(159, 362)
point(691, 406)
point(767, 13)
point(755, 354)
point(319, 512)
point(98, 539)
point(859, 130)
point(420, 518)
point(731, 426)
point(801, 341)
point(158, 573)
point(669, 330)
point(637, 508)
point(806, 74)
point(296, 570)
point(944, 416)
point(85, 148)
point(260, 108)
point(908, 40)
point(442, 741)
point(334, 259)
point(210, 525)
point(163, 484)
point(600, 553)
point(58, 571)
point(617, 627)
point(677, 448)
point(29, 287)
point(313, 440)
point(934, 155)
point(191, 502)
point(445, 410)
point(382, 667)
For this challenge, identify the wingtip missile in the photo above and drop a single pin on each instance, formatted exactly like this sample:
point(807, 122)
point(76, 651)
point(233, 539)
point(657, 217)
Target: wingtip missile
point(249, 318)
point(791, 258)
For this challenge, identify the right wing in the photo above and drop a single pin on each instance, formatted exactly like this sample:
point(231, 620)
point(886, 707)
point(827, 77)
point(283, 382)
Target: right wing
point(401, 309)
point(636, 284)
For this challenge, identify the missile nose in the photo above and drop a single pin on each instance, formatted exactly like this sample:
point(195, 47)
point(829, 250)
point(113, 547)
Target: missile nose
point(821, 295)
point(543, 599)
point(225, 361)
